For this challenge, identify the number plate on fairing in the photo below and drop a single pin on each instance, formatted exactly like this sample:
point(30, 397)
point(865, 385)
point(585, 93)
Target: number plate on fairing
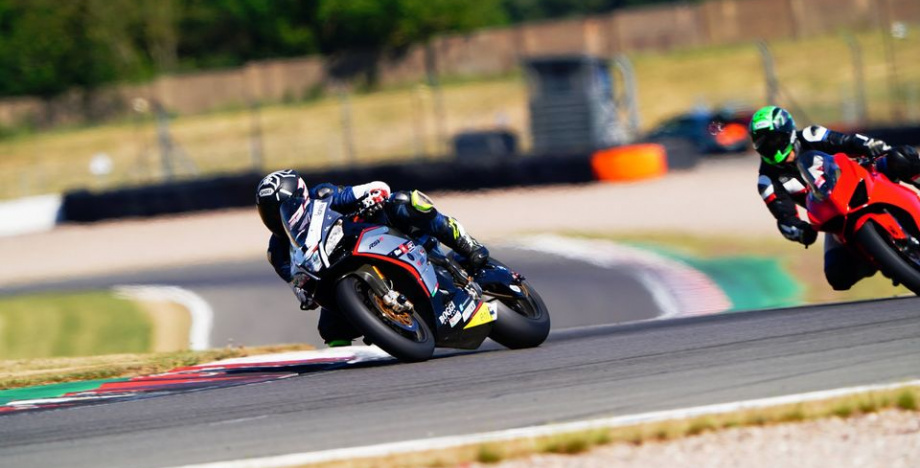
point(378, 241)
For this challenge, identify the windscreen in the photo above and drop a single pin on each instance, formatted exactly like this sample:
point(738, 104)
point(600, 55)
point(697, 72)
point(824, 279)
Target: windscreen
point(295, 215)
point(820, 172)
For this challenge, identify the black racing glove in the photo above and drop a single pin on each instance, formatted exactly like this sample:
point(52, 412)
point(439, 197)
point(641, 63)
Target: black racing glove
point(797, 230)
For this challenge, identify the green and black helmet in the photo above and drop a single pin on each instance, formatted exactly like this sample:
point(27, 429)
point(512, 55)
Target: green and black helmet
point(773, 133)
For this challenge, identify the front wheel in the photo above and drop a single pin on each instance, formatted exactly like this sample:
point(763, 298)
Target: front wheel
point(404, 336)
point(523, 322)
point(891, 260)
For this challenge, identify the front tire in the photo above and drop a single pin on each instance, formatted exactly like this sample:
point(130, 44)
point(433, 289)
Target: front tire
point(881, 248)
point(522, 322)
point(357, 301)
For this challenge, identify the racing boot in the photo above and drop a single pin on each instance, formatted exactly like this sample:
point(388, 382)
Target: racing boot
point(451, 233)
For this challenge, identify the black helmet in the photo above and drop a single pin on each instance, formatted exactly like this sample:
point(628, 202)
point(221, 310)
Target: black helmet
point(274, 189)
point(773, 133)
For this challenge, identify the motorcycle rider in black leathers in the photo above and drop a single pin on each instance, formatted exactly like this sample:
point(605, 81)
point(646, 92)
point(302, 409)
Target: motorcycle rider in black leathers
point(411, 212)
point(782, 187)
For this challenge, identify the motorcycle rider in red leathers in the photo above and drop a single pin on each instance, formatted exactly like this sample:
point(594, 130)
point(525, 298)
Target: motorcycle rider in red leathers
point(411, 212)
point(782, 187)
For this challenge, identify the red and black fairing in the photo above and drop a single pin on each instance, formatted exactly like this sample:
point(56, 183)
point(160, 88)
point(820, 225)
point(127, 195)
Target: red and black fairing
point(844, 195)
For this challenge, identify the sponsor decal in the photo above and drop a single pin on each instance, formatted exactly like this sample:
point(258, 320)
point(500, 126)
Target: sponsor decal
point(266, 192)
point(403, 249)
point(482, 316)
point(450, 315)
point(468, 308)
point(375, 243)
point(515, 288)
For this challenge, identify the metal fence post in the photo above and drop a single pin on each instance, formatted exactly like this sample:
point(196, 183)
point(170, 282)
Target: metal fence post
point(859, 82)
point(347, 135)
point(255, 136)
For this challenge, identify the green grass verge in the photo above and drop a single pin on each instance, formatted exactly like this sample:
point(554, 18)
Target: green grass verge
point(71, 324)
point(402, 122)
point(33, 372)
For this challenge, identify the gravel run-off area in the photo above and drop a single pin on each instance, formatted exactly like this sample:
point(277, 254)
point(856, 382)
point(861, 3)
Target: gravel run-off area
point(890, 439)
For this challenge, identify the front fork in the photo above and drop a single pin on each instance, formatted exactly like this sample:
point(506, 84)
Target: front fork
point(378, 284)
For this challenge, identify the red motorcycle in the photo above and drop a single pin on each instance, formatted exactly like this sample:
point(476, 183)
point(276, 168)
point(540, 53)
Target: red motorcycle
point(866, 212)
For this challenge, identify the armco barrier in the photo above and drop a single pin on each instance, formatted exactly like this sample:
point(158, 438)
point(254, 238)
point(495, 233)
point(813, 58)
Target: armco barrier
point(31, 214)
point(239, 190)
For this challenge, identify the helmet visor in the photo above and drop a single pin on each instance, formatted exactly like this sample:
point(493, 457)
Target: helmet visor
point(774, 147)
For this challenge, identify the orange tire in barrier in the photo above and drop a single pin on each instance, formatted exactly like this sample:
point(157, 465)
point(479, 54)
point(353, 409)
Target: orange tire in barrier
point(633, 162)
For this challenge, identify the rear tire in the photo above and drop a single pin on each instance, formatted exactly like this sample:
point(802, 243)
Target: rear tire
point(521, 323)
point(880, 247)
point(355, 300)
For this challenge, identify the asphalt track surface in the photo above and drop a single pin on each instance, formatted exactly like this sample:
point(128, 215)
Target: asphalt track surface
point(252, 306)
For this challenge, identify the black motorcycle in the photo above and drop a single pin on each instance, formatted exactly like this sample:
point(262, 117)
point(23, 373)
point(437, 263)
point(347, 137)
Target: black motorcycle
point(404, 294)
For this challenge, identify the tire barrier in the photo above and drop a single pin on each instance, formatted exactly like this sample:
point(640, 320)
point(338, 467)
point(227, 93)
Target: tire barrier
point(622, 163)
point(239, 191)
point(632, 162)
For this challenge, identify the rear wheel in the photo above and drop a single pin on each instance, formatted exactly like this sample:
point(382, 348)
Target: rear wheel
point(523, 322)
point(404, 335)
point(898, 263)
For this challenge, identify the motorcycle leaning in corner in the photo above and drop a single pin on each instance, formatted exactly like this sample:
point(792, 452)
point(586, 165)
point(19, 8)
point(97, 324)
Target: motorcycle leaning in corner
point(866, 211)
point(406, 295)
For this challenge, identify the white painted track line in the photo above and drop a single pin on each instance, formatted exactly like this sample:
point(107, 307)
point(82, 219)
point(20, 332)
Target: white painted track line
point(201, 313)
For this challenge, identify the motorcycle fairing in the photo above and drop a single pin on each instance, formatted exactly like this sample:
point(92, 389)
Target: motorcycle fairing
point(377, 242)
point(459, 321)
point(484, 314)
point(841, 175)
point(308, 228)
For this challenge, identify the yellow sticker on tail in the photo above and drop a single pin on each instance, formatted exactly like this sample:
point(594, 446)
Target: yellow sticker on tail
point(482, 316)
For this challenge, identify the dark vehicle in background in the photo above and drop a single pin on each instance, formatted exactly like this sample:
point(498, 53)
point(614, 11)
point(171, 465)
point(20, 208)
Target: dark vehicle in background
point(709, 132)
point(485, 145)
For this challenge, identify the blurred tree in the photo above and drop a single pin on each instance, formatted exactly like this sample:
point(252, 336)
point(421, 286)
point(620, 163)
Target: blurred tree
point(388, 25)
point(231, 32)
point(161, 32)
point(48, 46)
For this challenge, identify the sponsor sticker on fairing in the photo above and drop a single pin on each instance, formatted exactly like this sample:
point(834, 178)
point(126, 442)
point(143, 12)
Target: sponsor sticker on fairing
point(468, 309)
point(449, 315)
point(482, 316)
